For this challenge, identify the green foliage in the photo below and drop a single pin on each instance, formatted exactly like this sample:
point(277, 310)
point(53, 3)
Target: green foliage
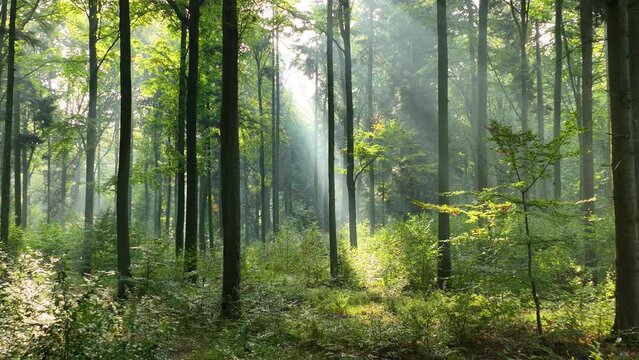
point(45, 314)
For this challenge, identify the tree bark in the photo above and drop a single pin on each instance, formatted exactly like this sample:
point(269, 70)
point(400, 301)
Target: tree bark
point(623, 171)
point(350, 144)
point(275, 134)
point(482, 96)
point(369, 100)
point(587, 160)
point(332, 226)
point(444, 261)
point(557, 94)
point(262, 160)
point(541, 128)
point(91, 140)
point(230, 162)
point(17, 157)
point(190, 235)
point(179, 144)
point(6, 149)
point(122, 191)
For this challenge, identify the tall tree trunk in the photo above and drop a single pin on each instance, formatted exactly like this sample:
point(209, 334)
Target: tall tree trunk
point(263, 192)
point(315, 153)
point(91, 140)
point(624, 181)
point(482, 96)
point(49, 207)
point(179, 144)
point(147, 196)
point(201, 230)
point(159, 179)
point(167, 212)
point(523, 62)
point(557, 94)
point(25, 183)
point(190, 235)
point(6, 149)
point(541, 128)
point(350, 143)
point(369, 100)
point(211, 156)
point(245, 199)
point(17, 157)
point(332, 226)
point(275, 133)
point(230, 162)
point(444, 261)
point(633, 48)
point(63, 190)
point(122, 191)
point(587, 157)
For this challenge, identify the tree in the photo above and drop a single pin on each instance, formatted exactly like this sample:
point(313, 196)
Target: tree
point(345, 30)
point(482, 96)
point(587, 156)
point(623, 169)
point(6, 149)
point(332, 225)
point(275, 129)
point(369, 101)
point(124, 166)
point(443, 260)
point(91, 141)
point(17, 157)
point(180, 12)
point(541, 126)
point(557, 94)
point(190, 235)
point(528, 160)
point(230, 162)
point(259, 53)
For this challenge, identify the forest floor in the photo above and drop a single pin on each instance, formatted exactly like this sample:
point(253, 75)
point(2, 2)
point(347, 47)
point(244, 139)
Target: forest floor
point(285, 320)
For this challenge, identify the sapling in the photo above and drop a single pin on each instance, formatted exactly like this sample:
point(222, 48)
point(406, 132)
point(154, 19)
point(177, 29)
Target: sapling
point(527, 160)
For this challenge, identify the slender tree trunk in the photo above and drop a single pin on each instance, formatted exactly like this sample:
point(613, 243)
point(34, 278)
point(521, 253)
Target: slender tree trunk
point(147, 197)
point(315, 153)
point(245, 198)
point(633, 47)
point(190, 235)
point(6, 150)
point(91, 140)
point(523, 62)
point(230, 162)
point(332, 226)
point(444, 261)
point(263, 192)
point(122, 191)
point(624, 181)
point(25, 184)
point(587, 157)
point(49, 207)
point(275, 135)
point(350, 143)
point(202, 216)
point(557, 94)
point(17, 157)
point(541, 128)
point(482, 96)
point(369, 100)
point(63, 190)
point(211, 155)
point(158, 186)
point(179, 144)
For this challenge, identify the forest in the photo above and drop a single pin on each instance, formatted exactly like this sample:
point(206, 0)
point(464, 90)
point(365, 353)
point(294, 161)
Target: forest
point(339, 179)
